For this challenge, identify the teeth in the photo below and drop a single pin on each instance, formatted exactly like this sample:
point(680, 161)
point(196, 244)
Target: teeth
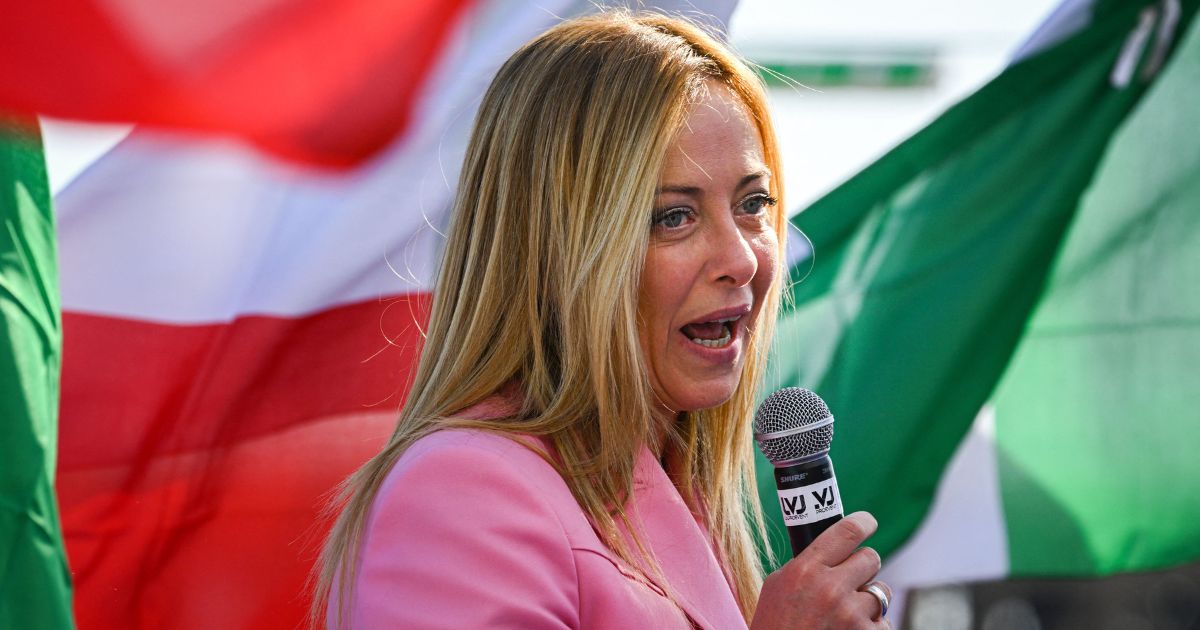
point(716, 343)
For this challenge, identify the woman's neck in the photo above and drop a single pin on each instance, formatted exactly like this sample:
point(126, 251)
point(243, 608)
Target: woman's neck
point(666, 424)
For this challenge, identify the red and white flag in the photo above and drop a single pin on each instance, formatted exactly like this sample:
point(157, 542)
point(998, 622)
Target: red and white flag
point(325, 81)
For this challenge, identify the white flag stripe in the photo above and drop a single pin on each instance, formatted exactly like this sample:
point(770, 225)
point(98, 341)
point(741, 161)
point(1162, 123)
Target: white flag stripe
point(192, 231)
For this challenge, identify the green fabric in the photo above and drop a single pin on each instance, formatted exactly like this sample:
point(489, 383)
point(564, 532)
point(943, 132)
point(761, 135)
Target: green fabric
point(35, 586)
point(928, 264)
point(1098, 418)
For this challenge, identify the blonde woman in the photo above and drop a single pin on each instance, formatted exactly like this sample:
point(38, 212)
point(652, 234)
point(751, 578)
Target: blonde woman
point(575, 451)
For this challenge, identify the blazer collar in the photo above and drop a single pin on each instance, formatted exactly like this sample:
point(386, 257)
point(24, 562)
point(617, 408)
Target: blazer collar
point(681, 543)
point(683, 548)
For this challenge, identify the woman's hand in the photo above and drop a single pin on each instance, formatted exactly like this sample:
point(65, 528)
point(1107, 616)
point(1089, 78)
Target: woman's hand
point(821, 587)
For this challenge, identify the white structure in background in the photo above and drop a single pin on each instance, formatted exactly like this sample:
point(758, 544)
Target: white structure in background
point(829, 134)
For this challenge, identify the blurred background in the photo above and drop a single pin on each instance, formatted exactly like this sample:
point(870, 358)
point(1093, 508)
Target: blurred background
point(870, 73)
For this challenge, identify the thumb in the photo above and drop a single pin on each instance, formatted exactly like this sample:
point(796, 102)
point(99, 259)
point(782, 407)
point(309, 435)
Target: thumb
point(836, 544)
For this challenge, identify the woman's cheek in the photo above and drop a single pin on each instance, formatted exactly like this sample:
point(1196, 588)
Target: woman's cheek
point(766, 247)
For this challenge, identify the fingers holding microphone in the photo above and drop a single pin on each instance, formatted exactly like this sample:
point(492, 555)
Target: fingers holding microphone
point(859, 566)
point(829, 585)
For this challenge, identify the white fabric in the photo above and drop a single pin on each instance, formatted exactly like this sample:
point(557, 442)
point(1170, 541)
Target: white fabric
point(185, 230)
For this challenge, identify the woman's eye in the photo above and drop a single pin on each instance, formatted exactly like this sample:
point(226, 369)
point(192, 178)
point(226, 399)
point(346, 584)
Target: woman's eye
point(673, 218)
point(757, 204)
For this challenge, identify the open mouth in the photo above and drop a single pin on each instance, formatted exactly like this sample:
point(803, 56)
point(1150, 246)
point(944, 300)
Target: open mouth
point(717, 333)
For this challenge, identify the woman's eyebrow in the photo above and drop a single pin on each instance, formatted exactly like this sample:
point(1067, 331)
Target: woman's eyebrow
point(754, 176)
point(696, 190)
point(685, 190)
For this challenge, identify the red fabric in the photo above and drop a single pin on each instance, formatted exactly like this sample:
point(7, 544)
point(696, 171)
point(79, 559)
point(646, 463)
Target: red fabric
point(323, 81)
point(194, 460)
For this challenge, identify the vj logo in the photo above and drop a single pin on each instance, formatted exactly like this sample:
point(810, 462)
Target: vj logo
point(825, 497)
point(789, 505)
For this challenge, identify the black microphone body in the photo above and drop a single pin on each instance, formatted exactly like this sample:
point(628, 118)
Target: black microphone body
point(808, 497)
point(794, 429)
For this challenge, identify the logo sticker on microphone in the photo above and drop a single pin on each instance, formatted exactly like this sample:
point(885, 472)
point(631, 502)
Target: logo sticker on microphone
point(808, 504)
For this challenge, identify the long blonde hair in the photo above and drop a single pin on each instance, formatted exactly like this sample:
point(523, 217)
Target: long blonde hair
point(539, 286)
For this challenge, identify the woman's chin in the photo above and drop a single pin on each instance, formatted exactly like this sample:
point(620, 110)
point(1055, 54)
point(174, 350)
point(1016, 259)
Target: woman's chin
point(706, 395)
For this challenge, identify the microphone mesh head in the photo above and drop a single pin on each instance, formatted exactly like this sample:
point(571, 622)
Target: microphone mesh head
point(792, 408)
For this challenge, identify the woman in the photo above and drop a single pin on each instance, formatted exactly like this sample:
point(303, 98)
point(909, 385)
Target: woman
point(575, 450)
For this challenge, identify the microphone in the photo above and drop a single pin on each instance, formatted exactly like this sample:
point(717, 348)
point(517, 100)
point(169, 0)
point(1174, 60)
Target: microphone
point(794, 428)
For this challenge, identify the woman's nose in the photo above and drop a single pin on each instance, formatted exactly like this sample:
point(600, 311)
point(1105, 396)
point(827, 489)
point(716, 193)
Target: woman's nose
point(732, 258)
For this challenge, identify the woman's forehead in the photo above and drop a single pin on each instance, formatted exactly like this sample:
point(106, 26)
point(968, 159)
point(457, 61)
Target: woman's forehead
point(718, 140)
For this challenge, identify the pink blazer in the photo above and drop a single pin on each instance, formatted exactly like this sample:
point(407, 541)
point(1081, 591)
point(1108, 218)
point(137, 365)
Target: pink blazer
point(473, 530)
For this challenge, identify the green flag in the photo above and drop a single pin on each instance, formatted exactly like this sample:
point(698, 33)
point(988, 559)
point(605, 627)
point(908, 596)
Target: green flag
point(35, 586)
point(1098, 416)
point(928, 264)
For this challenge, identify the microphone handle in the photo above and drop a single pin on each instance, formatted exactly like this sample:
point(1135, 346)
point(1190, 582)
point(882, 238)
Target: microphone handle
point(809, 499)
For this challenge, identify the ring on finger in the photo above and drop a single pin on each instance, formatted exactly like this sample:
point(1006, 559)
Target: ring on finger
point(876, 589)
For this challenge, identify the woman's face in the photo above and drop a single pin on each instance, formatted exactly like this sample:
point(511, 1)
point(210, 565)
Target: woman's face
point(712, 256)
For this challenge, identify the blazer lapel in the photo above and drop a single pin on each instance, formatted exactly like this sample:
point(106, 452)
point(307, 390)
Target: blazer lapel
point(683, 549)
